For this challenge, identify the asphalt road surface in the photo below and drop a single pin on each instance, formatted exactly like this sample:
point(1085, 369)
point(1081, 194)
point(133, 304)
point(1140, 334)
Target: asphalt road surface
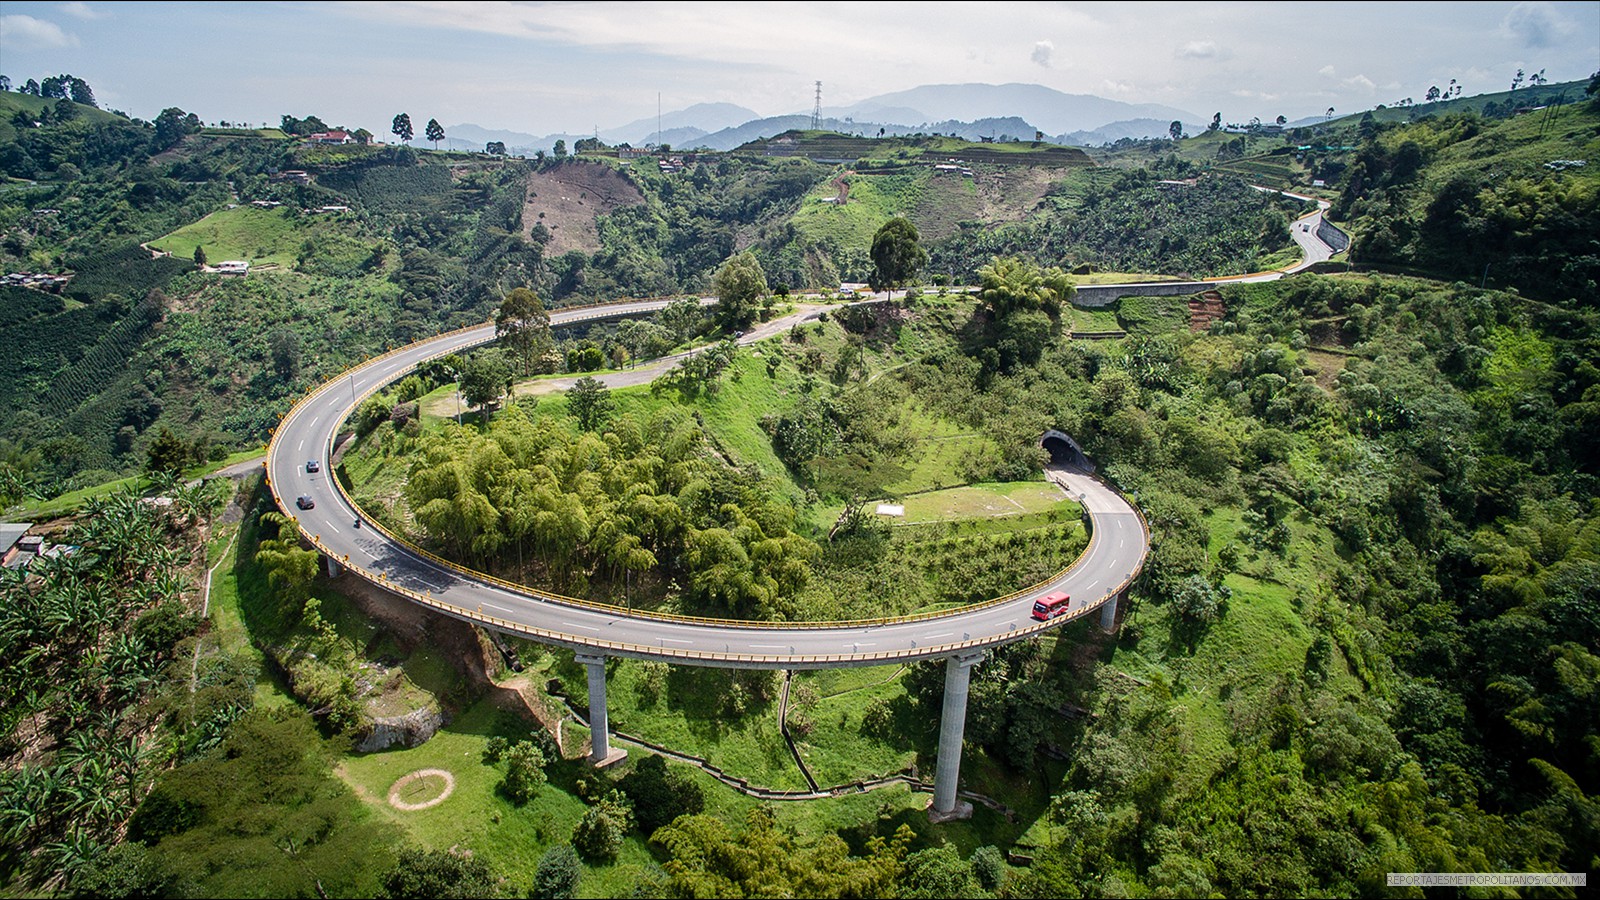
point(1116, 551)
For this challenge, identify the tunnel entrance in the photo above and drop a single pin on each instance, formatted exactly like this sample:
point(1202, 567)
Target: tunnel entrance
point(1064, 451)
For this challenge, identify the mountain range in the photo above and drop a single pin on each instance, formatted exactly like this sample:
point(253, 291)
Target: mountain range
point(970, 111)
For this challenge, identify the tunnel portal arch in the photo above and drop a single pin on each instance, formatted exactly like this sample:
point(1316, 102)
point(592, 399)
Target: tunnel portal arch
point(1064, 451)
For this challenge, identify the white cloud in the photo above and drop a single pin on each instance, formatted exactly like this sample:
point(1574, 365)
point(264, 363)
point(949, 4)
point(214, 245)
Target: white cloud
point(26, 32)
point(1042, 52)
point(79, 10)
point(1117, 87)
point(1198, 50)
point(1362, 82)
point(1535, 24)
point(1326, 71)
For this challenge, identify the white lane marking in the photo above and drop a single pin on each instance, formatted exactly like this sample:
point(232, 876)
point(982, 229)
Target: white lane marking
point(576, 625)
point(770, 646)
point(302, 447)
point(865, 644)
point(1122, 543)
point(941, 634)
point(496, 606)
point(674, 641)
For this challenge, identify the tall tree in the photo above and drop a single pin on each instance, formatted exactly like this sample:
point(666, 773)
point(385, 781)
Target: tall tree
point(171, 127)
point(402, 127)
point(560, 149)
point(739, 285)
point(1175, 129)
point(896, 255)
point(1216, 122)
point(435, 132)
point(590, 403)
point(200, 256)
point(523, 326)
point(167, 453)
point(485, 379)
point(79, 91)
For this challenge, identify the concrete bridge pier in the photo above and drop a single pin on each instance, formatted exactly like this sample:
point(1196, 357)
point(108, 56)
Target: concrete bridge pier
point(333, 567)
point(1108, 614)
point(952, 729)
point(601, 753)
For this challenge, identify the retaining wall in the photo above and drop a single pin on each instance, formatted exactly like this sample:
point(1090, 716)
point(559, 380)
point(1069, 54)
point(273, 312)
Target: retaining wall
point(1096, 295)
point(1332, 235)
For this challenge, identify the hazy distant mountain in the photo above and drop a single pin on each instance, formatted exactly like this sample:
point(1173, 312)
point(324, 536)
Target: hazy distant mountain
point(1116, 131)
point(702, 117)
point(1048, 109)
point(971, 111)
point(472, 137)
point(687, 136)
point(871, 112)
point(729, 138)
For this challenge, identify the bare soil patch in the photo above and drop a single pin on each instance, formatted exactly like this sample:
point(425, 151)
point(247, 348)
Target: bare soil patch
point(1011, 193)
point(568, 198)
point(1328, 366)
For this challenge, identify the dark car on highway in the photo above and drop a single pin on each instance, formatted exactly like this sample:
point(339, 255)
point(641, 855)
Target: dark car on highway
point(313, 466)
point(305, 502)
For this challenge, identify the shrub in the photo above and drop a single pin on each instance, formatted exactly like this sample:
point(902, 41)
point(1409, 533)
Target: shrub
point(598, 835)
point(558, 874)
point(988, 866)
point(524, 772)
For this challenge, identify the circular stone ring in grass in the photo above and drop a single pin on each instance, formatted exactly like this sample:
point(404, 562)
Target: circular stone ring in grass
point(406, 793)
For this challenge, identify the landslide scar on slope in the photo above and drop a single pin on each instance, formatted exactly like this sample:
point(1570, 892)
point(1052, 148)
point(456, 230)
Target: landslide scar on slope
point(567, 199)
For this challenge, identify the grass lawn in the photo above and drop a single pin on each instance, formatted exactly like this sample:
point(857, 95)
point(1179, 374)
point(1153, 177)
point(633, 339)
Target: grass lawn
point(836, 750)
point(975, 501)
point(262, 236)
point(1103, 318)
point(690, 716)
point(476, 817)
point(1153, 315)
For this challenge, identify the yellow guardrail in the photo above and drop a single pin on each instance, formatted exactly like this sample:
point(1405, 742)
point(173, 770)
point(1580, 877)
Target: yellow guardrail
point(380, 579)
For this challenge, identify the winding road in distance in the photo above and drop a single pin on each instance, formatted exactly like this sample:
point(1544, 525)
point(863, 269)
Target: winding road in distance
point(1117, 548)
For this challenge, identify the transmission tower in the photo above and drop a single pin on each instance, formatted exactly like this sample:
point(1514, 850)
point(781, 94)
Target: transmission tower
point(816, 110)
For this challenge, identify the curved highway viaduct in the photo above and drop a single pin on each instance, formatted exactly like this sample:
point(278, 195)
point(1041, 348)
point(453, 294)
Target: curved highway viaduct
point(1116, 552)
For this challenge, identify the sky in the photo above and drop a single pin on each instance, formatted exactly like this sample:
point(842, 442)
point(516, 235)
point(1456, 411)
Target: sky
point(544, 68)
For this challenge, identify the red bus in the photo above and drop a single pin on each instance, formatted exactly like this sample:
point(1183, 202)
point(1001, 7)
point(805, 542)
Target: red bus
point(1050, 606)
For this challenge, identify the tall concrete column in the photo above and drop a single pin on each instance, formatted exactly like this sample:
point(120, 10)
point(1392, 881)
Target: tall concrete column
point(952, 728)
point(1108, 614)
point(600, 750)
point(334, 569)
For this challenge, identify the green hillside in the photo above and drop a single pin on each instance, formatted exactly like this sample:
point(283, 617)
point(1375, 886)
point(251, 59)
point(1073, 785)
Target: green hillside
point(12, 103)
point(279, 237)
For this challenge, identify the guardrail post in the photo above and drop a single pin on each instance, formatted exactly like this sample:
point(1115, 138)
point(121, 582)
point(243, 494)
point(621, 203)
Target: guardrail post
point(600, 751)
point(952, 729)
point(1108, 613)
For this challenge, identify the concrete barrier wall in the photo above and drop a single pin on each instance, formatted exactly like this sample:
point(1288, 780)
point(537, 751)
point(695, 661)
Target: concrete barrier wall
point(1333, 236)
point(1095, 295)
